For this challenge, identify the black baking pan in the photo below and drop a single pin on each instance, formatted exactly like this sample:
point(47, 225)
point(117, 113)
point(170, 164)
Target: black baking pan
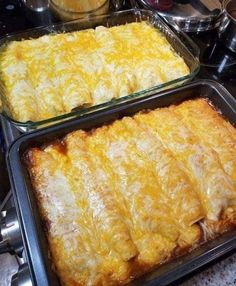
point(35, 242)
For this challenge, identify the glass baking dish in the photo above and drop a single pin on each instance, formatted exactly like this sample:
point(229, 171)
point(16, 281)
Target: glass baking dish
point(35, 242)
point(179, 41)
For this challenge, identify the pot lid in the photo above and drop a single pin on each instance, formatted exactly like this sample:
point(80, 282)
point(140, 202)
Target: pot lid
point(188, 15)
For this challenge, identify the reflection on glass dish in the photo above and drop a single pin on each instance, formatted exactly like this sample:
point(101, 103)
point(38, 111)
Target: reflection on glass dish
point(183, 48)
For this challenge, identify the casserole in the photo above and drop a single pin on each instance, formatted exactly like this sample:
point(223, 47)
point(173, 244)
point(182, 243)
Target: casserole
point(33, 235)
point(117, 198)
point(118, 18)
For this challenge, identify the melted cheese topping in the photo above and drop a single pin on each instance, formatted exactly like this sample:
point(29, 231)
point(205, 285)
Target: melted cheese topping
point(216, 188)
point(54, 74)
point(125, 197)
point(217, 137)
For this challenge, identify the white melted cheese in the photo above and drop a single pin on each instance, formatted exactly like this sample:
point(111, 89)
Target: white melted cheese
point(92, 67)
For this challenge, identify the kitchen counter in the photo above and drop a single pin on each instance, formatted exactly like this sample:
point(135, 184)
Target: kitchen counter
point(222, 273)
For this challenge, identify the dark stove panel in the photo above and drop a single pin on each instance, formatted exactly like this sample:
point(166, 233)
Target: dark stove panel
point(217, 62)
point(12, 17)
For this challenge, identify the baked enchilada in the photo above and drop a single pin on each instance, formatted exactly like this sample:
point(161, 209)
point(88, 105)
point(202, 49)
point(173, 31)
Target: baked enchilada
point(55, 74)
point(126, 197)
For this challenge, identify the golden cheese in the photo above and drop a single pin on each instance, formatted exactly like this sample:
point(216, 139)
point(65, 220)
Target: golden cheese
point(54, 74)
point(126, 197)
point(201, 117)
point(215, 187)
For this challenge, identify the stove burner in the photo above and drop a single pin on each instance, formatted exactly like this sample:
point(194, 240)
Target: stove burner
point(213, 52)
point(217, 56)
point(10, 233)
point(217, 62)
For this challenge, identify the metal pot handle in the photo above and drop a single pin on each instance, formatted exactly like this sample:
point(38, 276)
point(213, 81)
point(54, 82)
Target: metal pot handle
point(23, 277)
point(10, 235)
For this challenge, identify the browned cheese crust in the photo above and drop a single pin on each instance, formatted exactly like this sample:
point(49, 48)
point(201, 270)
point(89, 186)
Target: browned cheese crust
point(124, 198)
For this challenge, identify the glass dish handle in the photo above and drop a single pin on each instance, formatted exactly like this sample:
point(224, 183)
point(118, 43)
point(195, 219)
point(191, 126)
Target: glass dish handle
point(118, 4)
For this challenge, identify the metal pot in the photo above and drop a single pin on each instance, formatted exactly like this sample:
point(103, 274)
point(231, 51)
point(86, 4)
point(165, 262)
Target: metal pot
point(227, 29)
point(37, 12)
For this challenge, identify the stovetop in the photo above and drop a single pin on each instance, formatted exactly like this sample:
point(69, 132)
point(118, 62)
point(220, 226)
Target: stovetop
point(217, 63)
point(12, 17)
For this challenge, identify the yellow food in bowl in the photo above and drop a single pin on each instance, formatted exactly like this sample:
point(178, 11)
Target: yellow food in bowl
point(80, 6)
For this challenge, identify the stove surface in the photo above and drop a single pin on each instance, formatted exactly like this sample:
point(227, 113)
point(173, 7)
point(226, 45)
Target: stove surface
point(217, 62)
point(12, 17)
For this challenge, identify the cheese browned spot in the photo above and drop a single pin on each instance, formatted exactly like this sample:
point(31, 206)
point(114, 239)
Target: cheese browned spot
point(201, 117)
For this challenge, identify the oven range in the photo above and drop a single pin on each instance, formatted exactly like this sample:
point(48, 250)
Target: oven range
point(217, 63)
